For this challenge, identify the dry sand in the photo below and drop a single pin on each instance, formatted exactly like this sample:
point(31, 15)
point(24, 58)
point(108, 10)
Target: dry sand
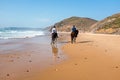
point(92, 57)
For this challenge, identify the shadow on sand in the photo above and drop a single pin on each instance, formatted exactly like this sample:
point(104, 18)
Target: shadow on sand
point(64, 42)
point(76, 42)
point(84, 41)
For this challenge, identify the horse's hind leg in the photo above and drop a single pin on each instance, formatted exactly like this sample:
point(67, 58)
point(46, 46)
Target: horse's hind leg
point(71, 39)
point(74, 39)
point(55, 42)
point(52, 40)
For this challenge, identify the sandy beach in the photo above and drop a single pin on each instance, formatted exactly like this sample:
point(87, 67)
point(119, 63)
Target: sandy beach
point(92, 57)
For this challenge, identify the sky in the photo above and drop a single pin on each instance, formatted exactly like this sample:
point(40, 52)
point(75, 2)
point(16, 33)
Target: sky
point(44, 13)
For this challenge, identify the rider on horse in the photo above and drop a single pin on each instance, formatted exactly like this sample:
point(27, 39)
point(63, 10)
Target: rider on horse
point(74, 34)
point(54, 34)
point(73, 28)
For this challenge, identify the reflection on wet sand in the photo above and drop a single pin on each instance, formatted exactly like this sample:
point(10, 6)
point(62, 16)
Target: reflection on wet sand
point(55, 51)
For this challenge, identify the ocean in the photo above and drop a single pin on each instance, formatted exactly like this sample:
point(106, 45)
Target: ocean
point(19, 32)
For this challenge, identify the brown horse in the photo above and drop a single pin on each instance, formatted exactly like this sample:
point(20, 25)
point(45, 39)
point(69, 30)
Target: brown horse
point(74, 36)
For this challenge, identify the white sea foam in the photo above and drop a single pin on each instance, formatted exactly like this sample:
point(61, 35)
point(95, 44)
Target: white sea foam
point(6, 34)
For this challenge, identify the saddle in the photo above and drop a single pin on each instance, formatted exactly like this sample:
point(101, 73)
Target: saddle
point(74, 34)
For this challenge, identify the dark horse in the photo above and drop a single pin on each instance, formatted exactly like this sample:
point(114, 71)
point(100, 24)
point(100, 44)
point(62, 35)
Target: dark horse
point(74, 35)
point(54, 38)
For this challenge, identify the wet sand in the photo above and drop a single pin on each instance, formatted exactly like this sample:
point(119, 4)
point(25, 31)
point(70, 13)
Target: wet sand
point(21, 58)
point(92, 57)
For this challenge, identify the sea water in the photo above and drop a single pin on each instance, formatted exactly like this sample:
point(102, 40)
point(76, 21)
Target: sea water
point(19, 32)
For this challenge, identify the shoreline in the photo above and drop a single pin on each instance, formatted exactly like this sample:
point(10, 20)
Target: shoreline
point(21, 58)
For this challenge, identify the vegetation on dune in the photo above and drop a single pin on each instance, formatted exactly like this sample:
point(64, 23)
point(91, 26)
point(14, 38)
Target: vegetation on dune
point(110, 25)
point(82, 24)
